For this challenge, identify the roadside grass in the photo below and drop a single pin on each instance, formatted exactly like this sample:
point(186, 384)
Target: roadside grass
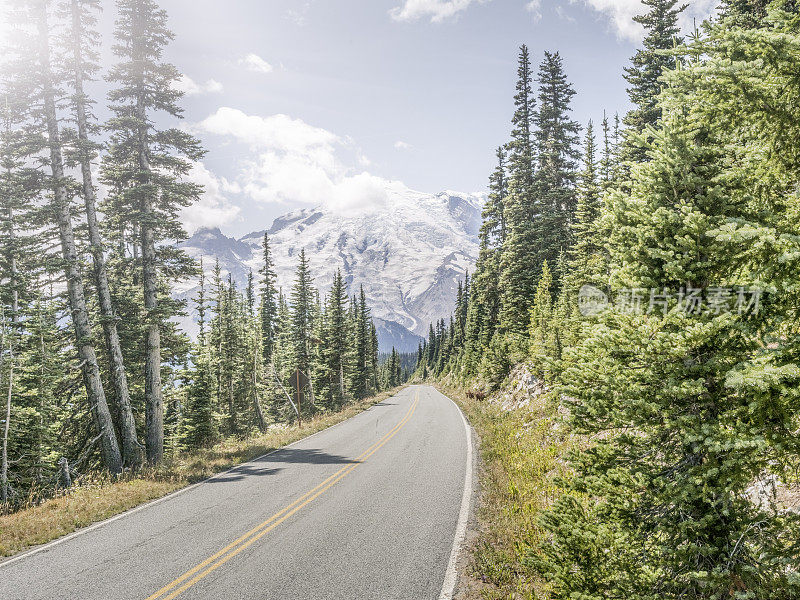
point(522, 455)
point(100, 497)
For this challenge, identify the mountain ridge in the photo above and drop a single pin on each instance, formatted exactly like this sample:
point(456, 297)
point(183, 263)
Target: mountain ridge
point(409, 254)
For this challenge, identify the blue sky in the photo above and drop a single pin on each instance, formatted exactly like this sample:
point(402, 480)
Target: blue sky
point(321, 102)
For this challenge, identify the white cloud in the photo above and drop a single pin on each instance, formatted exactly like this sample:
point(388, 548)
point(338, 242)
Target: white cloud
point(535, 8)
point(620, 15)
point(437, 10)
point(401, 145)
point(562, 14)
point(214, 209)
point(291, 161)
point(358, 194)
point(277, 132)
point(253, 62)
point(189, 87)
point(298, 15)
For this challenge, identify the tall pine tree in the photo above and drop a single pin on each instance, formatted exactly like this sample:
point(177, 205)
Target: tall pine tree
point(521, 244)
point(147, 168)
point(660, 23)
point(557, 139)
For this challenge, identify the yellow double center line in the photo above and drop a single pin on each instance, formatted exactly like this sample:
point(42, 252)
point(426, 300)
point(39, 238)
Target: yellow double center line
point(212, 563)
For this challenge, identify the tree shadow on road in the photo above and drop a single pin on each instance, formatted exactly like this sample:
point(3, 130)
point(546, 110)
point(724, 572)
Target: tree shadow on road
point(241, 472)
point(311, 456)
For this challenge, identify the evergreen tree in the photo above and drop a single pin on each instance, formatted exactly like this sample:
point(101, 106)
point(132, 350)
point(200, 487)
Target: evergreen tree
point(202, 308)
point(557, 138)
point(147, 168)
point(83, 42)
point(607, 166)
point(493, 228)
point(302, 307)
point(748, 14)
point(250, 293)
point(39, 409)
point(373, 354)
point(18, 187)
point(584, 254)
point(518, 269)
point(431, 348)
point(698, 386)
point(282, 356)
point(647, 66)
point(269, 306)
point(362, 369)
point(543, 330)
point(61, 212)
point(230, 354)
point(334, 348)
point(483, 310)
point(199, 426)
point(217, 333)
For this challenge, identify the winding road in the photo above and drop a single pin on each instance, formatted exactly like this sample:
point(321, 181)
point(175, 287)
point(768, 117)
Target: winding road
point(372, 508)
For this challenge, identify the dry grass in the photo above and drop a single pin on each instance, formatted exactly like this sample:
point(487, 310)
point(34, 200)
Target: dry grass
point(521, 456)
point(102, 497)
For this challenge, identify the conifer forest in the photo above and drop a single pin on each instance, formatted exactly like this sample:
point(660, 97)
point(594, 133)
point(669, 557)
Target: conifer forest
point(94, 370)
point(646, 266)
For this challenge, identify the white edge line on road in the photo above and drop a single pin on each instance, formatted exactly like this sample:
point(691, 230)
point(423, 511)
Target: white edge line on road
point(92, 527)
point(451, 575)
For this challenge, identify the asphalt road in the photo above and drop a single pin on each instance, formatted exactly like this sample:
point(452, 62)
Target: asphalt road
point(372, 508)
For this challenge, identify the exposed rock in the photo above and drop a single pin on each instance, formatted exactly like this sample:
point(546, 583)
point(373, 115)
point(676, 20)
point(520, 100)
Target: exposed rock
point(521, 390)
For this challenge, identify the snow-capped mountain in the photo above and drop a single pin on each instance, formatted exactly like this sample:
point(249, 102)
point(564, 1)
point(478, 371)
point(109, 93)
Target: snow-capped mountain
point(409, 255)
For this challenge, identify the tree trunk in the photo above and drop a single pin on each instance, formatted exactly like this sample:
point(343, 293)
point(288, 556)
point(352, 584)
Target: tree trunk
point(13, 282)
point(341, 381)
point(77, 300)
point(7, 424)
point(232, 422)
point(4, 464)
point(154, 401)
point(262, 423)
point(131, 449)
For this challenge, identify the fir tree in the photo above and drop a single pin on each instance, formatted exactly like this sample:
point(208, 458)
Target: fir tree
point(648, 65)
point(302, 300)
point(83, 42)
point(677, 522)
point(61, 211)
point(518, 269)
point(250, 293)
point(483, 311)
point(748, 14)
point(199, 427)
point(147, 168)
point(43, 359)
point(334, 347)
point(269, 307)
point(584, 253)
point(543, 329)
point(607, 159)
point(202, 308)
point(362, 369)
point(373, 354)
point(557, 138)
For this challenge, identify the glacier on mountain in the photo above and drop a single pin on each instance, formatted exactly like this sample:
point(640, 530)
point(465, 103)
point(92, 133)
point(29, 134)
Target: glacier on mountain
point(409, 255)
